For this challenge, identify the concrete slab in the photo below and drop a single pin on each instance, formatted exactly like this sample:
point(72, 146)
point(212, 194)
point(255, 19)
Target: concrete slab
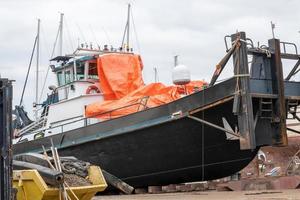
point(212, 195)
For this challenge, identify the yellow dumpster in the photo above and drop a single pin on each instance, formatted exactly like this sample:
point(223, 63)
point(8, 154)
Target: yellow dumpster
point(31, 186)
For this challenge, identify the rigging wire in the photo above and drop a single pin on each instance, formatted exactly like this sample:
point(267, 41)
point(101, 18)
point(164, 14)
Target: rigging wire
point(67, 38)
point(81, 33)
point(67, 44)
point(125, 30)
point(135, 33)
point(53, 50)
point(107, 36)
point(45, 40)
point(27, 75)
point(94, 35)
point(45, 43)
point(71, 39)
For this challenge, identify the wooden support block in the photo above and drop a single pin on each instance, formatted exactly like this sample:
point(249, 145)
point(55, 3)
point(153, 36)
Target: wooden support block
point(212, 185)
point(140, 191)
point(184, 188)
point(117, 183)
point(154, 189)
point(169, 188)
point(199, 186)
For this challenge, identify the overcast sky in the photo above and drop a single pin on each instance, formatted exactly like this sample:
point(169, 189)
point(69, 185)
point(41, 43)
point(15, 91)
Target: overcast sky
point(193, 29)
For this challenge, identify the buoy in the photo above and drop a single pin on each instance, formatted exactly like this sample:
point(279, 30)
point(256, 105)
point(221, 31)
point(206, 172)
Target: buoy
point(92, 89)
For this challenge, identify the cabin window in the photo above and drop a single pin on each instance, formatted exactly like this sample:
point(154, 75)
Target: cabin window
point(93, 72)
point(68, 76)
point(80, 71)
point(60, 78)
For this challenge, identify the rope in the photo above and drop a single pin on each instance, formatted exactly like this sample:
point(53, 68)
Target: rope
point(267, 52)
point(237, 86)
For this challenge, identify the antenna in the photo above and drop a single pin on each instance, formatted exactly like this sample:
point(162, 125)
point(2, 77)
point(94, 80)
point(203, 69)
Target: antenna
point(273, 27)
point(37, 66)
point(176, 60)
point(155, 75)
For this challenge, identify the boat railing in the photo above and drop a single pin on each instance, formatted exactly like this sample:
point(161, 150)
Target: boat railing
point(83, 122)
point(248, 41)
point(38, 124)
point(288, 45)
point(142, 105)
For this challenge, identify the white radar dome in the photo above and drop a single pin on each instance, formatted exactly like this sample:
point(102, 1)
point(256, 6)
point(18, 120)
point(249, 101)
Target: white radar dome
point(181, 75)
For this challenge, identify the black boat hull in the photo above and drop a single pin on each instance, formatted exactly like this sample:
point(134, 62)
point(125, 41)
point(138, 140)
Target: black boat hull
point(173, 150)
point(156, 146)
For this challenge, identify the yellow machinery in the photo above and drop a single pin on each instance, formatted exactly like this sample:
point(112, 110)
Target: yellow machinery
point(31, 186)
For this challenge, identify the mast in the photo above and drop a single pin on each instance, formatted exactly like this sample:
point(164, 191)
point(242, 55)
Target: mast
point(126, 31)
point(37, 66)
point(128, 25)
point(61, 33)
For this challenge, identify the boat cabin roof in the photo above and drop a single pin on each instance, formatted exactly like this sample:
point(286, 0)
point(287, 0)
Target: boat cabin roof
point(84, 68)
point(61, 58)
point(66, 64)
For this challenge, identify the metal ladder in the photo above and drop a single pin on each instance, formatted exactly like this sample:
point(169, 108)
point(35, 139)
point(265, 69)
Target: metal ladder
point(265, 108)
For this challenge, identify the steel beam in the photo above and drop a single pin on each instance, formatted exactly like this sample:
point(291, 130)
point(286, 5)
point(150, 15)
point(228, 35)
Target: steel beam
point(213, 125)
point(243, 99)
point(293, 71)
point(221, 65)
point(279, 134)
point(288, 56)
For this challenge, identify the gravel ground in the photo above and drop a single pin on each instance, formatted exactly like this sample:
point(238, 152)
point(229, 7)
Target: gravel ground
point(73, 180)
point(212, 195)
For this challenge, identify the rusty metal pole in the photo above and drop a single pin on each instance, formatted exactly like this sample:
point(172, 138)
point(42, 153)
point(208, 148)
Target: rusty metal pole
point(5, 139)
point(278, 123)
point(243, 100)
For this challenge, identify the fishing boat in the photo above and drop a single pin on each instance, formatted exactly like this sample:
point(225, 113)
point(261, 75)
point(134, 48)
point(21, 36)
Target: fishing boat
point(202, 133)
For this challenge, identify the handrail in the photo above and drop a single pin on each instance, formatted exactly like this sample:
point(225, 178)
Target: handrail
point(248, 42)
point(143, 102)
point(290, 44)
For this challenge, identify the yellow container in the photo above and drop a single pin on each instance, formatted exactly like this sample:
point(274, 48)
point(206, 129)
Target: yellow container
point(31, 186)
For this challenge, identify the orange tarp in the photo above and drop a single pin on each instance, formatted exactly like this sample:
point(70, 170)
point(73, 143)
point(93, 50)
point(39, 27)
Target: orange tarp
point(120, 74)
point(151, 95)
point(124, 90)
